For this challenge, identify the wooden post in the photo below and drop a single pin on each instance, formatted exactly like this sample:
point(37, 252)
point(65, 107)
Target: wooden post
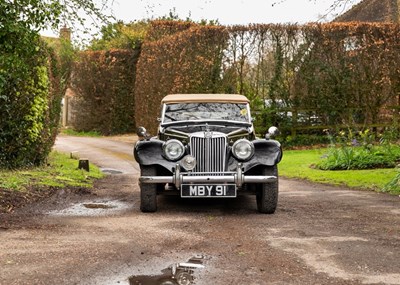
point(84, 164)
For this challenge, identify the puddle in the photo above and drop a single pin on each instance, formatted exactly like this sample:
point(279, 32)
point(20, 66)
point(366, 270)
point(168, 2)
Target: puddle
point(176, 274)
point(98, 206)
point(111, 171)
point(93, 208)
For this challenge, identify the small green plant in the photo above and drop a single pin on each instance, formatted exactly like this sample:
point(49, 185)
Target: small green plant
point(394, 185)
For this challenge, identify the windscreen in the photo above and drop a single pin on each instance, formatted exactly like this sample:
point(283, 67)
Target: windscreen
point(206, 111)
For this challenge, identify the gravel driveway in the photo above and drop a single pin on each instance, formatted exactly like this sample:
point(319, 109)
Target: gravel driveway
point(319, 234)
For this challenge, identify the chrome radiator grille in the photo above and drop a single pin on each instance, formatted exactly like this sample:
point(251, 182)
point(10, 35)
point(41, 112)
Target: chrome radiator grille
point(210, 153)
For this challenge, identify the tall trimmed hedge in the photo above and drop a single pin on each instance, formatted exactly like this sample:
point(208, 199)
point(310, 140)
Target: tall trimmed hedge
point(341, 74)
point(30, 97)
point(187, 60)
point(104, 83)
point(349, 67)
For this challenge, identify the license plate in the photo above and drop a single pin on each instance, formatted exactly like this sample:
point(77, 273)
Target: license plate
point(200, 191)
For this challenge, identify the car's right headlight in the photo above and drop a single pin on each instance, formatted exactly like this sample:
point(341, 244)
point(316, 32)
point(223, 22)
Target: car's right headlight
point(243, 149)
point(173, 150)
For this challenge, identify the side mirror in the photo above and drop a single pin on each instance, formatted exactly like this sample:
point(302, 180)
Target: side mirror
point(142, 133)
point(272, 132)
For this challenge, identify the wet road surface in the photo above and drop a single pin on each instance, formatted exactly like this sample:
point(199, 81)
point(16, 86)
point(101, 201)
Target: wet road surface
point(319, 234)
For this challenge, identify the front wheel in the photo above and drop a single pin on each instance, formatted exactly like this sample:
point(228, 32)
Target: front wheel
point(184, 278)
point(148, 192)
point(267, 193)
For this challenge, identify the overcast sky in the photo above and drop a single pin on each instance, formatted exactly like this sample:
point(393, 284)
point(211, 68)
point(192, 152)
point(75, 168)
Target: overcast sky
point(227, 12)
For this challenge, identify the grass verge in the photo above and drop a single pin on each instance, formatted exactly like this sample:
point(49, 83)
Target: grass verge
point(296, 164)
point(18, 187)
point(72, 132)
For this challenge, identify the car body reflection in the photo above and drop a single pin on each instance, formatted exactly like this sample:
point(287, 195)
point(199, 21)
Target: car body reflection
point(176, 274)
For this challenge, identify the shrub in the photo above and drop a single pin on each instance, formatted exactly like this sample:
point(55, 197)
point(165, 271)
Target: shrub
point(360, 158)
point(29, 99)
point(358, 151)
point(303, 140)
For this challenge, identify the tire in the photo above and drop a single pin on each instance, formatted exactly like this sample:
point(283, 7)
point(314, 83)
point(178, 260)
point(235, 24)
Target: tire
point(184, 278)
point(267, 193)
point(148, 192)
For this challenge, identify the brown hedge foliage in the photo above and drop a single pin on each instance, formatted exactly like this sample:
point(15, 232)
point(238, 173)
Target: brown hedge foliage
point(350, 66)
point(184, 62)
point(345, 74)
point(160, 29)
point(104, 83)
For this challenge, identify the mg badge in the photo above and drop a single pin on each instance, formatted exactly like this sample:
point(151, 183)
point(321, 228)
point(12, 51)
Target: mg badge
point(208, 133)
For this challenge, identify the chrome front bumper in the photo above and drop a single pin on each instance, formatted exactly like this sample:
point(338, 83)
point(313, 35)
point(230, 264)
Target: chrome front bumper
point(179, 178)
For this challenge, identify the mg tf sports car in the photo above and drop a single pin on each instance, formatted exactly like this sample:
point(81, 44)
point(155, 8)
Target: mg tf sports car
point(206, 147)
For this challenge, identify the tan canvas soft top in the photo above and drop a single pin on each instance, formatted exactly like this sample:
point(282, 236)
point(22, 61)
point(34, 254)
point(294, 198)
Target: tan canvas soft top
point(219, 98)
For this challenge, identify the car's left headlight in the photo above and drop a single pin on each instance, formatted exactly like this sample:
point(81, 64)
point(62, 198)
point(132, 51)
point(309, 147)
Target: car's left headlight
point(243, 149)
point(173, 149)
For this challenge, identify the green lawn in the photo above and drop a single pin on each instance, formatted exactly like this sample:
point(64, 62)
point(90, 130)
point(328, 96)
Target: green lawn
point(19, 187)
point(61, 171)
point(296, 164)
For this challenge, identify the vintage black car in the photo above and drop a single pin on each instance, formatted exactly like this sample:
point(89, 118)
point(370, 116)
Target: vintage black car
point(206, 147)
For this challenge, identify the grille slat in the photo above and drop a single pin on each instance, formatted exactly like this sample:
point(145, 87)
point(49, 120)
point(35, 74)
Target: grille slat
point(210, 153)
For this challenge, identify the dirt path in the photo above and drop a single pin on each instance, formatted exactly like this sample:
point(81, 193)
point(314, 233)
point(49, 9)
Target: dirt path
point(319, 234)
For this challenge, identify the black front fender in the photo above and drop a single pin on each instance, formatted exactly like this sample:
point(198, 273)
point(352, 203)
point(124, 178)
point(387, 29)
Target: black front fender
point(266, 153)
point(149, 152)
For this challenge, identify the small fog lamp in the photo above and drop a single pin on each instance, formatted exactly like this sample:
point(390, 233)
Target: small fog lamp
point(188, 162)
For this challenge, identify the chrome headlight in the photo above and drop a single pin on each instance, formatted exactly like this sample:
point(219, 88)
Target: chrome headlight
point(243, 149)
point(173, 149)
